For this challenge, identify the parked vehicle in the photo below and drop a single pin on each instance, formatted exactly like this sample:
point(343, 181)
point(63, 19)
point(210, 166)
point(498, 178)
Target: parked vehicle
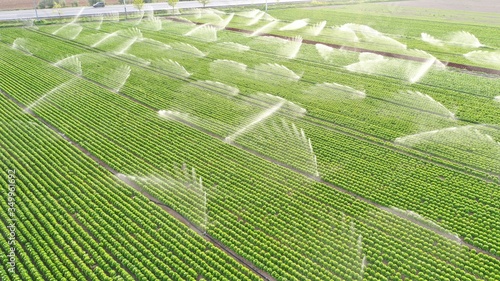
point(98, 5)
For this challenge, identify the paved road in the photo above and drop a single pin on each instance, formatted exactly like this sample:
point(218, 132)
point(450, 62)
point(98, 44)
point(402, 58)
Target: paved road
point(73, 11)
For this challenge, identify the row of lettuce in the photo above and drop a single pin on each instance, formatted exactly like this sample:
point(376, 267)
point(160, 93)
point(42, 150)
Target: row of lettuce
point(374, 32)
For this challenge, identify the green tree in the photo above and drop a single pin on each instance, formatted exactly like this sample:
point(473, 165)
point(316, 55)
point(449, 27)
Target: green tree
point(139, 4)
point(57, 8)
point(172, 3)
point(204, 2)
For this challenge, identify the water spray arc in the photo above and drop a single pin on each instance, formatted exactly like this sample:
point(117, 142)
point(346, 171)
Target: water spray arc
point(21, 45)
point(106, 37)
point(71, 63)
point(422, 71)
point(188, 189)
point(48, 94)
point(261, 117)
point(72, 24)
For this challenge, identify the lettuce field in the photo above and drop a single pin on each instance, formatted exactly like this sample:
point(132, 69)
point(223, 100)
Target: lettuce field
point(307, 142)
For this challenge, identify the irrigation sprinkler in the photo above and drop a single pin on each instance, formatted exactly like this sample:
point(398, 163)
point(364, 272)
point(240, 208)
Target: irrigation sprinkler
point(36, 11)
point(125, 8)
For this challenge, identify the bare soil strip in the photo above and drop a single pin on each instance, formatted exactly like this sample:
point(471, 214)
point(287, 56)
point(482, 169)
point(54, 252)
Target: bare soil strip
point(386, 54)
point(362, 50)
point(264, 275)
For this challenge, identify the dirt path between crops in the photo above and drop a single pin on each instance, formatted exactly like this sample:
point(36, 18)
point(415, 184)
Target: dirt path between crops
point(362, 50)
point(264, 275)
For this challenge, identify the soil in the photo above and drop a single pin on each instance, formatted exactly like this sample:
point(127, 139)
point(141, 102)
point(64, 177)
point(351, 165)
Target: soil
point(28, 4)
